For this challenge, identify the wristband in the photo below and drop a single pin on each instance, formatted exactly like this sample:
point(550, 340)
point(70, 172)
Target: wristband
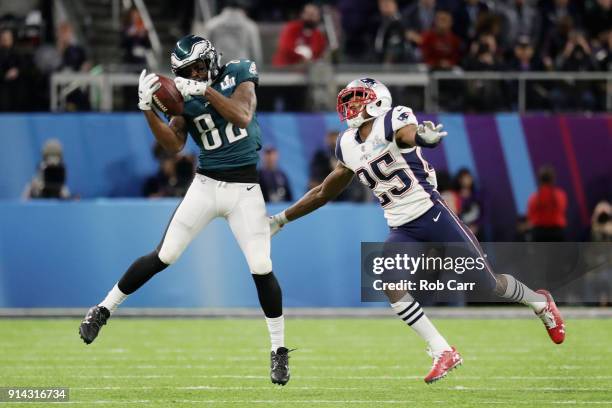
point(282, 217)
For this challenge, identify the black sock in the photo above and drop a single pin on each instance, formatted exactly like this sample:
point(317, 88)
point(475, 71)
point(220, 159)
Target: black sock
point(140, 272)
point(270, 295)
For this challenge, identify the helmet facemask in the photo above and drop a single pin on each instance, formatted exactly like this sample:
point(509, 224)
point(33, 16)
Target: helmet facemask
point(351, 104)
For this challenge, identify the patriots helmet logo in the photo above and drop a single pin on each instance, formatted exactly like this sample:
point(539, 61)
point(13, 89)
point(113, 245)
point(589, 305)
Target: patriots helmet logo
point(404, 116)
point(368, 81)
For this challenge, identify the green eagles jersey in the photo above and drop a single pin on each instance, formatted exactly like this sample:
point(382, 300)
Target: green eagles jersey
point(223, 145)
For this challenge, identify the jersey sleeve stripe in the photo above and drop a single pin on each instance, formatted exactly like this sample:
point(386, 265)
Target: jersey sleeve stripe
point(388, 125)
point(338, 150)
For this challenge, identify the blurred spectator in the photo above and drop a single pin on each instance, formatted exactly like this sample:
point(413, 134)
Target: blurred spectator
point(546, 209)
point(301, 40)
point(419, 18)
point(576, 56)
point(234, 34)
point(445, 187)
point(273, 181)
point(602, 52)
point(599, 20)
point(13, 78)
point(50, 180)
point(520, 19)
point(466, 17)
point(470, 208)
point(324, 161)
point(555, 41)
point(390, 44)
point(483, 95)
point(601, 222)
point(357, 30)
point(441, 49)
point(73, 56)
point(135, 40)
point(173, 176)
point(555, 11)
point(525, 60)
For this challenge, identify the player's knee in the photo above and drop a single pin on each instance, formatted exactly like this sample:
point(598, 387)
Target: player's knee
point(169, 254)
point(260, 265)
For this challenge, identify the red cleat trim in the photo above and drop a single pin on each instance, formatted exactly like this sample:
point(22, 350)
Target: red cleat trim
point(443, 364)
point(552, 319)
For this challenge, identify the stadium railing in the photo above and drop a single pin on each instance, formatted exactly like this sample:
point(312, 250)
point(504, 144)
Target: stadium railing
point(102, 85)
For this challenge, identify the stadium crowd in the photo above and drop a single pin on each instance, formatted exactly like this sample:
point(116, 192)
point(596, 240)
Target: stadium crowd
point(451, 35)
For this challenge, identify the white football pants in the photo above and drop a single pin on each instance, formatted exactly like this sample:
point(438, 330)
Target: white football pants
point(241, 204)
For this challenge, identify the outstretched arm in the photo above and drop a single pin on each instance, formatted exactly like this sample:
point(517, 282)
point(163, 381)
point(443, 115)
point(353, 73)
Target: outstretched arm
point(334, 183)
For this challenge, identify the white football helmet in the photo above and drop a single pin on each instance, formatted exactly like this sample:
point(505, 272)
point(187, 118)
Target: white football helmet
point(364, 94)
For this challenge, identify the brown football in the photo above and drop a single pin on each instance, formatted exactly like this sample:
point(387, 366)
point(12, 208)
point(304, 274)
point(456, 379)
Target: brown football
point(167, 98)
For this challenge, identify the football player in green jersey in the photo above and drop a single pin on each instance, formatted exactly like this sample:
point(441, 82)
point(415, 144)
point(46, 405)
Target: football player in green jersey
point(219, 114)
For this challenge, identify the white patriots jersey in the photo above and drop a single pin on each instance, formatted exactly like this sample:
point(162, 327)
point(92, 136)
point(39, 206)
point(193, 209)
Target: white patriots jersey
point(402, 179)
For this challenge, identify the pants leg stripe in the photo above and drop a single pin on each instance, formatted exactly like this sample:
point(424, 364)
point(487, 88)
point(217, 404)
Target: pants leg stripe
point(470, 237)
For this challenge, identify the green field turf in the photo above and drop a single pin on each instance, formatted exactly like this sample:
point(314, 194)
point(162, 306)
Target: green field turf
point(339, 363)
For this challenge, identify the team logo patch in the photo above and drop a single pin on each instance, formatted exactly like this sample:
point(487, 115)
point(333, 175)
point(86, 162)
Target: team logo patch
point(228, 82)
point(253, 68)
point(404, 117)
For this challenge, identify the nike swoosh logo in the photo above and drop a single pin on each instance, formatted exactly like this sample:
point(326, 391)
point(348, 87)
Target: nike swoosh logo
point(249, 188)
point(437, 217)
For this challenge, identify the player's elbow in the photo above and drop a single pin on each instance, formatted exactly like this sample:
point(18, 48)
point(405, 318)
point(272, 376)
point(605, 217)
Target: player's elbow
point(243, 120)
point(173, 147)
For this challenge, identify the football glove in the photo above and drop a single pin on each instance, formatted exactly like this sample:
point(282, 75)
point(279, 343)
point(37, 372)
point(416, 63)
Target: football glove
point(277, 222)
point(147, 85)
point(188, 87)
point(428, 134)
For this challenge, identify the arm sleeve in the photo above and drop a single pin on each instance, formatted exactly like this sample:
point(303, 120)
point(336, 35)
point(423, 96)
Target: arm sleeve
point(397, 118)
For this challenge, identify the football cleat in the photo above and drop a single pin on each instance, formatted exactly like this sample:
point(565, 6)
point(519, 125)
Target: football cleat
point(443, 363)
point(279, 366)
point(551, 317)
point(95, 318)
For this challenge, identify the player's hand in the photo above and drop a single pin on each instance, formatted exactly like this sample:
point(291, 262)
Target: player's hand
point(188, 87)
point(429, 134)
point(277, 222)
point(147, 85)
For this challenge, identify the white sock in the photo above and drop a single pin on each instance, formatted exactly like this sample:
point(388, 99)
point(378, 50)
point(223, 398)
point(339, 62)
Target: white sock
point(411, 312)
point(518, 292)
point(276, 327)
point(113, 299)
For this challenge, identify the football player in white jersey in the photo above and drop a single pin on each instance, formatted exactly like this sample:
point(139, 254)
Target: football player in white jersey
point(382, 146)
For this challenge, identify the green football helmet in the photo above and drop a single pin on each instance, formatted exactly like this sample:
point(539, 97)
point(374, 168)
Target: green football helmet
point(191, 49)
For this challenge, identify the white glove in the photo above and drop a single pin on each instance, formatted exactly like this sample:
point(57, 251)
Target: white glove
point(429, 134)
point(277, 222)
point(188, 87)
point(147, 85)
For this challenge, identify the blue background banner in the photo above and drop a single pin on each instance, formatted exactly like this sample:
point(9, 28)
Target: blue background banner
point(55, 254)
